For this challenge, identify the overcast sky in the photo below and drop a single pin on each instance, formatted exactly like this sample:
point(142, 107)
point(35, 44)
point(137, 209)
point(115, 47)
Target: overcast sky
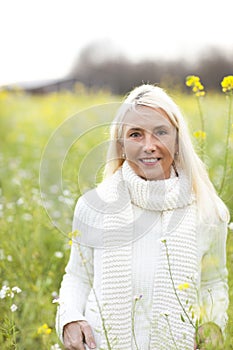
point(40, 39)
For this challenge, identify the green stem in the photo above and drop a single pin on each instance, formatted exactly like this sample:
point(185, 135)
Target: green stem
point(102, 320)
point(170, 330)
point(195, 326)
point(133, 324)
point(174, 288)
point(97, 300)
point(212, 302)
point(202, 128)
point(227, 145)
point(13, 333)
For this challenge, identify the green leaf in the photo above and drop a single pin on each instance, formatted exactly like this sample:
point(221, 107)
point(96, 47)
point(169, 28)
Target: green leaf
point(182, 318)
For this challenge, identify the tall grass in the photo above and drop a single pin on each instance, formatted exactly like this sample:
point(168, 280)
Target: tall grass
point(33, 252)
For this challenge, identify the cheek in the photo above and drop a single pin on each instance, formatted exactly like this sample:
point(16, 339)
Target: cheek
point(131, 146)
point(169, 147)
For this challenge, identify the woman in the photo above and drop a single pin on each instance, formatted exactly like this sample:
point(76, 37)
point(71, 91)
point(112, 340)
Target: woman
point(148, 266)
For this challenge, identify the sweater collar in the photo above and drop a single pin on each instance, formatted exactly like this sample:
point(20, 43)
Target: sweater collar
point(174, 192)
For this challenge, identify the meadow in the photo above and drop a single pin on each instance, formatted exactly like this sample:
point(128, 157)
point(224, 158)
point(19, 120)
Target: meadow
point(33, 251)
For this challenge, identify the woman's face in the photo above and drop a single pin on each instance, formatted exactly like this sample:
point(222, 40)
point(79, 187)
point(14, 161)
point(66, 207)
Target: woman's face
point(149, 142)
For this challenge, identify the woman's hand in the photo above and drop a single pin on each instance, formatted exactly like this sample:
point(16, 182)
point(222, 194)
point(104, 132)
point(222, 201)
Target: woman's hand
point(76, 334)
point(209, 337)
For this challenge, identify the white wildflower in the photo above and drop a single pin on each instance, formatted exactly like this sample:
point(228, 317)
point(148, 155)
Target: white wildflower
point(27, 217)
point(25, 174)
point(54, 189)
point(20, 201)
point(4, 291)
point(59, 255)
point(55, 347)
point(67, 193)
point(54, 294)
point(10, 205)
point(13, 307)
point(69, 201)
point(16, 181)
point(9, 218)
point(16, 289)
point(230, 226)
point(56, 301)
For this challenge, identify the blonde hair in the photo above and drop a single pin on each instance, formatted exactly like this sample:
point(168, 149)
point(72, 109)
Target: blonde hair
point(188, 160)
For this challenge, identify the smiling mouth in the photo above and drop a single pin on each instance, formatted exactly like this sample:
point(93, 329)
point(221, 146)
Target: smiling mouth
point(150, 161)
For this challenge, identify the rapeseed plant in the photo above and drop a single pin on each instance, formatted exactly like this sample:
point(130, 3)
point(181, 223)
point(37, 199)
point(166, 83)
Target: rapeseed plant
point(194, 82)
point(199, 134)
point(227, 87)
point(44, 329)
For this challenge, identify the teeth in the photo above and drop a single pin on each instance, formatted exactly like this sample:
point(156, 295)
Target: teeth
point(152, 160)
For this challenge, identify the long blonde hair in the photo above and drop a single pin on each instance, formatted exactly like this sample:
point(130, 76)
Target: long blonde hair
point(188, 160)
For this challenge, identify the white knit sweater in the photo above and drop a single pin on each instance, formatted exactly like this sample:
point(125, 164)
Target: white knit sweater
point(116, 276)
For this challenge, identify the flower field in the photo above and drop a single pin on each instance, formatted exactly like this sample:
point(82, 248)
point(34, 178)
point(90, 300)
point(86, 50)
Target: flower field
point(33, 251)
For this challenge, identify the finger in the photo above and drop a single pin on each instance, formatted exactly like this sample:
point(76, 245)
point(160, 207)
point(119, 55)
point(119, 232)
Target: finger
point(88, 334)
point(73, 337)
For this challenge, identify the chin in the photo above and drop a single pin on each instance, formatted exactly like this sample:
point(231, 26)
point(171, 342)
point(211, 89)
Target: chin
point(152, 175)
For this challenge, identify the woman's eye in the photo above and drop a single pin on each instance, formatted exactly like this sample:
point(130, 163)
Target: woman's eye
point(135, 134)
point(161, 132)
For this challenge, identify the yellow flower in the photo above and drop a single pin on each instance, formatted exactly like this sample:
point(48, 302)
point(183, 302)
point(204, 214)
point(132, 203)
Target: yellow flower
point(193, 81)
point(183, 286)
point(74, 234)
point(227, 83)
point(200, 93)
point(199, 134)
point(84, 261)
point(44, 329)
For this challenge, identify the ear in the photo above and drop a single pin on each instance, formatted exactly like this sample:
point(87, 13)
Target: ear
point(121, 149)
point(120, 146)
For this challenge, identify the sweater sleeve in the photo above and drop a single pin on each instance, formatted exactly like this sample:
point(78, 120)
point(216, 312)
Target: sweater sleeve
point(214, 277)
point(75, 287)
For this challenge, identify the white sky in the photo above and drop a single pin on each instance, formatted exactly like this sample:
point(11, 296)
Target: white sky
point(40, 39)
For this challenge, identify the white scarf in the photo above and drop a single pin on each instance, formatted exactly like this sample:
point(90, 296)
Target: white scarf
point(105, 218)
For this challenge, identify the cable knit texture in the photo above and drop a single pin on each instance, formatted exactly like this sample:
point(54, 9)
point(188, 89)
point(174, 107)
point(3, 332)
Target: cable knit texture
point(120, 228)
point(147, 232)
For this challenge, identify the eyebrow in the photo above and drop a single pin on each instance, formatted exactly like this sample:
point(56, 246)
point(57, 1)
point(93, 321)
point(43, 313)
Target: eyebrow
point(137, 129)
point(155, 128)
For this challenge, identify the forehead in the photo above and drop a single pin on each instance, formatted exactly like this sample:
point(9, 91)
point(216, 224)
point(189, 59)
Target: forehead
point(146, 117)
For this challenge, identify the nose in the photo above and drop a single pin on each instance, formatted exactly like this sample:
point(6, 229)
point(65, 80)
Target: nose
point(149, 144)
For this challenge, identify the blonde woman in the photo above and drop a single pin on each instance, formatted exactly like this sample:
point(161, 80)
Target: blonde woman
point(148, 268)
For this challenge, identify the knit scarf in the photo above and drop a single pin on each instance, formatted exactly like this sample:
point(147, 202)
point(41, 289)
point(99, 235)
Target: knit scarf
point(105, 216)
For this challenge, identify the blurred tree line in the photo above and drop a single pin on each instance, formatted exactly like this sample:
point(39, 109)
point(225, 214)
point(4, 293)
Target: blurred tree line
point(96, 67)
